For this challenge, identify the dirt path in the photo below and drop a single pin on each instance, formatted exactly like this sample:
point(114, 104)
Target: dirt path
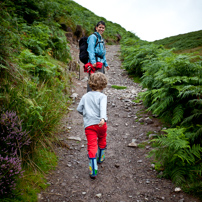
point(126, 175)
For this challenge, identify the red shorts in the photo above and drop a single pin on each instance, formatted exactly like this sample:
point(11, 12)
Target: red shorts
point(96, 136)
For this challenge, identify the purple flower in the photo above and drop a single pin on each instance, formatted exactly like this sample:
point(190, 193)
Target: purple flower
point(12, 138)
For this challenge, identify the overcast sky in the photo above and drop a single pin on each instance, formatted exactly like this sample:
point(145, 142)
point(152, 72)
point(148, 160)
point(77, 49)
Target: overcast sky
point(150, 19)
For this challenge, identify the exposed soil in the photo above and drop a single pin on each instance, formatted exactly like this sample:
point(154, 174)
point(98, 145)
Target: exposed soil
point(126, 174)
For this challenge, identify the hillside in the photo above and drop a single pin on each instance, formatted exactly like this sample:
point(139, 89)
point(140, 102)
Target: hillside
point(39, 72)
point(183, 43)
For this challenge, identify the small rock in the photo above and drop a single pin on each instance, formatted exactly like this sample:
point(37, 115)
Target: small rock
point(148, 120)
point(98, 195)
point(83, 193)
point(74, 138)
point(141, 120)
point(177, 189)
point(139, 161)
point(147, 147)
point(133, 140)
point(117, 165)
point(151, 136)
point(132, 144)
point(70, 109)
point(74, 95)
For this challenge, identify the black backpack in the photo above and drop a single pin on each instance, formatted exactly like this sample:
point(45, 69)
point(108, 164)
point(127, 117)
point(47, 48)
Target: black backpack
point(83, 46)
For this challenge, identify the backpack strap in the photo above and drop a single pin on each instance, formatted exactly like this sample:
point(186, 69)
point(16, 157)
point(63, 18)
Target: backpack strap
point(97, 38)
point(98, 42)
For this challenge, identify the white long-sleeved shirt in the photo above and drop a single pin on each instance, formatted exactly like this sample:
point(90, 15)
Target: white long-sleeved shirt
point(93, 107)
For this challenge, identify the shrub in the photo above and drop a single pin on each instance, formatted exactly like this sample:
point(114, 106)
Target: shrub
point(12, 139)
point(178, 159)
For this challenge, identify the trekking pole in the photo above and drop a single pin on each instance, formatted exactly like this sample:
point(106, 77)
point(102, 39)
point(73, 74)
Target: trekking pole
point(79, 70)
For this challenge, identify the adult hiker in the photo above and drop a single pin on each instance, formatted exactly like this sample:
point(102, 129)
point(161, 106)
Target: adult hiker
point(96, 51)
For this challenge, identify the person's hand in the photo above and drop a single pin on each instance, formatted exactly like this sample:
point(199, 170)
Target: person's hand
point(108, 67)
point(102, 122)
point(94, 65)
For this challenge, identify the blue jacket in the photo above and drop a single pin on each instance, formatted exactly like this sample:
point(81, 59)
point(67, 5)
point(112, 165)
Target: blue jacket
point(99, 50)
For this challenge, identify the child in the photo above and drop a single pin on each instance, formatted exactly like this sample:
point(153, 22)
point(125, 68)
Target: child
point(93, 107)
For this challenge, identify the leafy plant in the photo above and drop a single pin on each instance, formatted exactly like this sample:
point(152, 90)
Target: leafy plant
point(178, 159)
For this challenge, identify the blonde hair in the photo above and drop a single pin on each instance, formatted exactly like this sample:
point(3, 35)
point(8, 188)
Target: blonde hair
point(97, 81)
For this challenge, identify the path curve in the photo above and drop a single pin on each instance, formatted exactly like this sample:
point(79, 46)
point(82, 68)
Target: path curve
point(126, 175)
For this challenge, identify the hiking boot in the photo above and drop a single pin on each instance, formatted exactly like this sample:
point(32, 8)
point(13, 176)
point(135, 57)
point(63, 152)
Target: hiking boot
point(93, 167)
point(101, 155)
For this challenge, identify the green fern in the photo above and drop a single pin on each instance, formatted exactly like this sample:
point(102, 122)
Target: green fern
point(177, 156)
point(178, 113)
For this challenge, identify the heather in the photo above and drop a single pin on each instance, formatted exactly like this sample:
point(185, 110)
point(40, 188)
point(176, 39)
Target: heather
point(12, 139)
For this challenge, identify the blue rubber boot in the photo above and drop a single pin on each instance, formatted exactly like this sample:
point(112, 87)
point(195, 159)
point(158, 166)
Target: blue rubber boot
point(101, 155)
point(93, 167)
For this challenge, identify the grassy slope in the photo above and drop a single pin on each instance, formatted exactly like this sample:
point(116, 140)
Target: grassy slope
point(184, 43)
